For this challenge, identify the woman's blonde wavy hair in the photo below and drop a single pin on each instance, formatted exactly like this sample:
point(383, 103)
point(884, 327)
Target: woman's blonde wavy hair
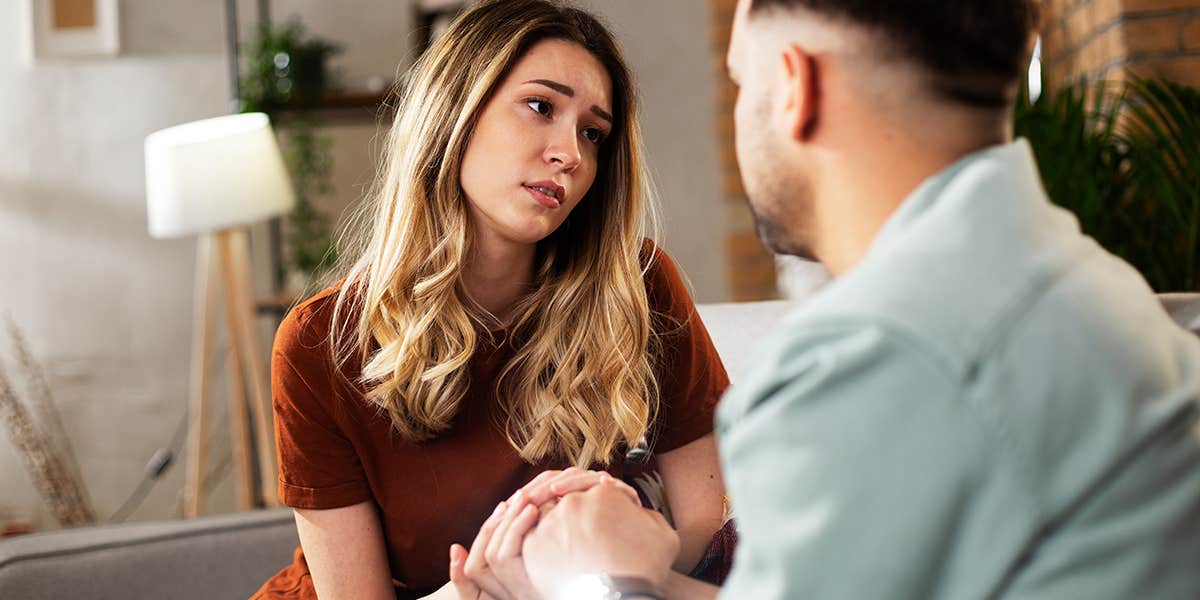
point(579, 386)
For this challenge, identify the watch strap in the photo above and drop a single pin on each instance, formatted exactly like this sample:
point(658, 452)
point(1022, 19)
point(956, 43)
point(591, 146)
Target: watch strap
point(635, 588)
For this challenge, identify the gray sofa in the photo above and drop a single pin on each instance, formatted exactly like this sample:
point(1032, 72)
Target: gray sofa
point(220, 556)
point(229, 556)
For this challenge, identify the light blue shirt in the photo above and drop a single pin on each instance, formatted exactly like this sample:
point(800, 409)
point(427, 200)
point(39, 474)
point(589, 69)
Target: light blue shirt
point(988, 405)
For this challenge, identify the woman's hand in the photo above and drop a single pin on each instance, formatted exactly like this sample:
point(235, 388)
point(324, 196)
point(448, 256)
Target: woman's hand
point(494, 564)
point(461, 587)
point(552, 485)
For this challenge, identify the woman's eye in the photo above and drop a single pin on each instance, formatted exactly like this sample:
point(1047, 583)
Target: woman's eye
point(540, 107)
point(593, 135)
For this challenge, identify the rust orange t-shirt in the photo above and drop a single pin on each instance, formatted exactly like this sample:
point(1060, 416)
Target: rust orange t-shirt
point(335, 449)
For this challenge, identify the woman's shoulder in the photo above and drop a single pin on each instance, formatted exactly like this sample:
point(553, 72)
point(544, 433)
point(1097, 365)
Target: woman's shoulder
point(308, 324)
point(651, 253)
point(666, 288)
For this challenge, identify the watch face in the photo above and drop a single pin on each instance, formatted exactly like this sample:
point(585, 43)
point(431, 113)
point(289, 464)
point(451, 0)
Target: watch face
point(589, 586)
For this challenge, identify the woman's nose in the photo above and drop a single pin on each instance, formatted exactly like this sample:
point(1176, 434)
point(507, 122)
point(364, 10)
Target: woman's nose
point(564, 150)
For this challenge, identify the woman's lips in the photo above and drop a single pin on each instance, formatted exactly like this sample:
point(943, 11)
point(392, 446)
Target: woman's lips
point(542, 197)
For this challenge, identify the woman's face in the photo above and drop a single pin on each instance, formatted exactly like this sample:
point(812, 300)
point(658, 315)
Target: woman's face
point(533, 153)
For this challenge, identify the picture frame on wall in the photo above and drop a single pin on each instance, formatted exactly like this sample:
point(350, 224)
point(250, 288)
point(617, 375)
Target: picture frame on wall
point(72, 28)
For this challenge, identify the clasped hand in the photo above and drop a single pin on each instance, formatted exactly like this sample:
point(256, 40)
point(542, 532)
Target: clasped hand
point(560, 525)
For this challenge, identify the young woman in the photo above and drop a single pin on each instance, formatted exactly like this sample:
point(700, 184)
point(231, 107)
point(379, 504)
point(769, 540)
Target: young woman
point(502, 315)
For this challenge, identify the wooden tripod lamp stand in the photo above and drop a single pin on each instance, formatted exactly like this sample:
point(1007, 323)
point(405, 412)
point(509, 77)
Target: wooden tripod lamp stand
point(213, 178)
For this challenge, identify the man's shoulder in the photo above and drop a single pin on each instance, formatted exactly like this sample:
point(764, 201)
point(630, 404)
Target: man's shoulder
point(969, 248)
point(964, 312)
point(817, 355)
point(909, 306)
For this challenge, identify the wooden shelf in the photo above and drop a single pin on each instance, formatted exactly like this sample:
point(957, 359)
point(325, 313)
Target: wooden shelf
point(275, 304)
point(342, 106)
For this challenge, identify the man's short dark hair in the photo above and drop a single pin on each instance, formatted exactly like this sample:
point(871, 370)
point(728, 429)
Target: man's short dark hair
point(974, 50)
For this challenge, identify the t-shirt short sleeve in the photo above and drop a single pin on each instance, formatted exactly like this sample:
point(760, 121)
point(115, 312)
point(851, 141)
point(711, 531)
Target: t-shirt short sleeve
point(318, 463)
point(691, 377)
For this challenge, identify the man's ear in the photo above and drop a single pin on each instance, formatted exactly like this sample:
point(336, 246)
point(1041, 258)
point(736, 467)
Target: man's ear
point(802, 104)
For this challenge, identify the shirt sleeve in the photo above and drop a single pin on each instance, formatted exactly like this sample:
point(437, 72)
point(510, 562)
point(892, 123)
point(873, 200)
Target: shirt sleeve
point(691, 377)
point(849, 460)
point(319, 466)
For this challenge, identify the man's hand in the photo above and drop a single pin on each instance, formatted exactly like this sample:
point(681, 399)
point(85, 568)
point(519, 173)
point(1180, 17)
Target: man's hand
point(600, 529)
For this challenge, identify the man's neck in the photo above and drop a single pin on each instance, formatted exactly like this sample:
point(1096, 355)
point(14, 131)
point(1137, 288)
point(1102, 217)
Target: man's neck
point(865, 188)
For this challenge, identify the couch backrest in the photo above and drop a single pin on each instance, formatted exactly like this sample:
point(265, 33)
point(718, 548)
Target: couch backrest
point(214, 557)
point(736, 329)
point(1184, 308)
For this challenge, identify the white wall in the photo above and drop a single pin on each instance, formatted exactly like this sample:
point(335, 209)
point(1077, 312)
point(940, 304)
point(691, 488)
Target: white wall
point(107, 309)
point(667, 43)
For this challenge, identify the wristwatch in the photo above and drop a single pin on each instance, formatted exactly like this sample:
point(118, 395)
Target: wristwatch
point(605, 586)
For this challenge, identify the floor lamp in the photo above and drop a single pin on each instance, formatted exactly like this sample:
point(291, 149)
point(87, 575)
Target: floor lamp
point(213, 178)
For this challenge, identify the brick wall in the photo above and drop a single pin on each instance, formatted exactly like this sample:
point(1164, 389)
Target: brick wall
point(1109, 38)
point(751, 268)
point(1080, 38)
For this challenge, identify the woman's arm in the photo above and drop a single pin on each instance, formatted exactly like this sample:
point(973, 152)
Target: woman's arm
point(695, 492)
point(682, 587)
point(345, 552)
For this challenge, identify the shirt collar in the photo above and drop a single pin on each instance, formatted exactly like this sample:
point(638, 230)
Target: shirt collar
point(1014, 159)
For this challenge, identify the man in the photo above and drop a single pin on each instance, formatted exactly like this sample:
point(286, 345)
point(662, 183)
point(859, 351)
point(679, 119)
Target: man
point(983, 404)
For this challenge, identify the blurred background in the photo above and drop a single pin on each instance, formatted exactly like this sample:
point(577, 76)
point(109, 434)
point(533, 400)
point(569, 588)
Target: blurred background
point(98, 333)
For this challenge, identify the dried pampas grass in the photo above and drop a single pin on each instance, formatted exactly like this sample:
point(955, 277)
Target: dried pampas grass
point(36, 431)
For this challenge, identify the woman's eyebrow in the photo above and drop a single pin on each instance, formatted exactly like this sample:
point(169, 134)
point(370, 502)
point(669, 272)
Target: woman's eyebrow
point(569, 92)
point(603, 114)
point(565, 90)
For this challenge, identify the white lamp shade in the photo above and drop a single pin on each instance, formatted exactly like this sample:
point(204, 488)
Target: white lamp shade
point(214, 174)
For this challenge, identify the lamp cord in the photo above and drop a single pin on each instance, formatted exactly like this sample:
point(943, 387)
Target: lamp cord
point(160, 462)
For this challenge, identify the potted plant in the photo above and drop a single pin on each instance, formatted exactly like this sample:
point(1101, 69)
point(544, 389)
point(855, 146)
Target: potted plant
point(1125, 158)
point(308, 236)
point(286, 70)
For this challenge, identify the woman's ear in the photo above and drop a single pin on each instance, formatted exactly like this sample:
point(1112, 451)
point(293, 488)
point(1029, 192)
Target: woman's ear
point(802, 102)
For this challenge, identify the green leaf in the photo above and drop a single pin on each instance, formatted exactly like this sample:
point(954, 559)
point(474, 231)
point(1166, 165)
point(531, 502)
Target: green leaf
point(1126, 160)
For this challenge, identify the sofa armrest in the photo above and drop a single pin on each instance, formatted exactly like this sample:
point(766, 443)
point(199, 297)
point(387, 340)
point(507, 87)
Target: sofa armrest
point(221, 556)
